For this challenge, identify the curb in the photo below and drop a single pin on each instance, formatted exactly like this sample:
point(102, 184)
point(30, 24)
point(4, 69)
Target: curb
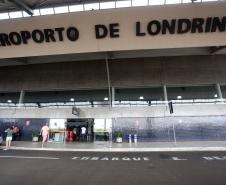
point(168, 149)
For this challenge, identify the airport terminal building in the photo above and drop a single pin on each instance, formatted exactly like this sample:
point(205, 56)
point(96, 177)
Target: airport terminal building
point(155, 70)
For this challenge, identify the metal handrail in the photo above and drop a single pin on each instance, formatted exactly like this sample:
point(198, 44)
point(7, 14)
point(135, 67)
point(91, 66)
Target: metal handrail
point(116, 103)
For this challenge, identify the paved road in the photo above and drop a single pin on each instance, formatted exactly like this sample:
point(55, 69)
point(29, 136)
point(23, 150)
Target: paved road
point(86, 168)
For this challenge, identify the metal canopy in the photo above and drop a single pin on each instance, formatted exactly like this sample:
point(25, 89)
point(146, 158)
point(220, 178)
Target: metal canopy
point(114, 55)
point(23, 6)
point(30, 5)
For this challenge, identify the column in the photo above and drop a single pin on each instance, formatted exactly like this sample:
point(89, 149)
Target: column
point(165, 94)
point(21, 100)
point(113, 96)
point(219, 93)
point(109, 83)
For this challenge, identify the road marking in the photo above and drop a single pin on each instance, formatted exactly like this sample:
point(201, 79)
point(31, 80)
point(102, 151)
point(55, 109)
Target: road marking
point(105, 158)
point(215, 158)
point(178, 159)
point(24, 157)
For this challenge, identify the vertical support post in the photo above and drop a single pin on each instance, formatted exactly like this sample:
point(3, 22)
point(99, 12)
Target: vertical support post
point(174, 135)
point(21, 100)
point(68, 9)
point(113, 96)
point(54, 10)
point(219, 92)
point(109, 83)
point(166, 102)
point(110, 134)
point(105, 123)
point(165, 94)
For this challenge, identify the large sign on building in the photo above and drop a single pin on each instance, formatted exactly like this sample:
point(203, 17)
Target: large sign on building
point(156, 27)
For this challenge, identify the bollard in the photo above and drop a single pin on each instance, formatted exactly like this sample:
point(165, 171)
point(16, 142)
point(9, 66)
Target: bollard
point(130, 138)
point(135, 138)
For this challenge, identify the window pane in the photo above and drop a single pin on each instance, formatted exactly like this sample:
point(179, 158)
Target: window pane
point(56, 124)
point(9, 97)
point(208, 0)
point(139, 2)
point(15, 14)
point(47, 11)
point(66, 96)
point(191, 93)
point(62, 9)
point(4, 16)
point(189, 1)
point(223, 89)
point(99, 125)
point(93, 6)
point(25, 14)
point(139, 94)
point(36, 12)
point(173, 1)
point(156, 2)
point(107, 5)
point(76, 8)
point(122, 4)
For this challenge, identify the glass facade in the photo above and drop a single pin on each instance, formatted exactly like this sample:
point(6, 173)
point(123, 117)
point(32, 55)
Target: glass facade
point(147, 129)
point(198, 128)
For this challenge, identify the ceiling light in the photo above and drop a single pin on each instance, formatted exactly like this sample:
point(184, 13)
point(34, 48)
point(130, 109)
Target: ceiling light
point(106, 98)
point(9, 101)
point(141, 97)
point(179, 97)
point(215, 95)
point(72, 99)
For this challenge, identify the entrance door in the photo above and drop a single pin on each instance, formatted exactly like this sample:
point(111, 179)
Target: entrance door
point(79, 130)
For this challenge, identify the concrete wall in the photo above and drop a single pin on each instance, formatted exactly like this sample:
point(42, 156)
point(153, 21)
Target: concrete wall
point(186, 70)
point(116, 112)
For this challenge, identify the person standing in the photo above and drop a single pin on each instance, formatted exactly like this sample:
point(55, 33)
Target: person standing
point(9, 137)
point(75, 133)
point(45, 134)
point(83, 133)
point(15, 133)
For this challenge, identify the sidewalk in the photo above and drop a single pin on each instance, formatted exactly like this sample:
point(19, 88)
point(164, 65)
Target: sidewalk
point(123, 147)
